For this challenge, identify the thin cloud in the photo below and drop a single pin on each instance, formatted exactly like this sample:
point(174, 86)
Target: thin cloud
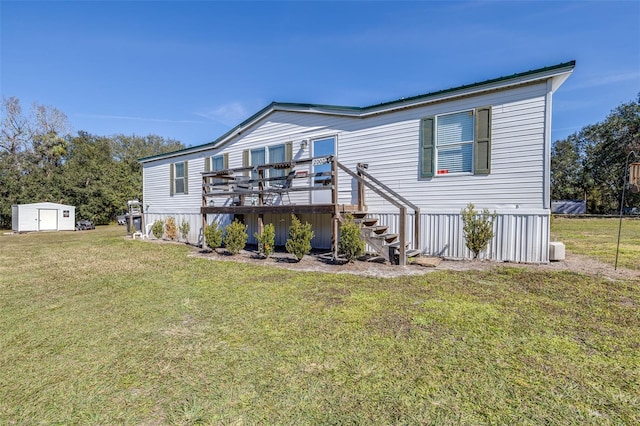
point(146, 119)
point(229, 114)
point(605, 80)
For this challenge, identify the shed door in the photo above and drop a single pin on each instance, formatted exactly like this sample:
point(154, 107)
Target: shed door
point(47, 220)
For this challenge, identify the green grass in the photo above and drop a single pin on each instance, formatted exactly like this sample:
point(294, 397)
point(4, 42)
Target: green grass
point(97, 329)
point(598, 238)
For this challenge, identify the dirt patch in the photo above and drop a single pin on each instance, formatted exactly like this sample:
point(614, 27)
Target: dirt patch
point(323, 262)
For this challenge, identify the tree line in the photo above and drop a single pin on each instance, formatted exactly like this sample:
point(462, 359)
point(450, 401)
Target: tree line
point(590, 164)
point(40, 160)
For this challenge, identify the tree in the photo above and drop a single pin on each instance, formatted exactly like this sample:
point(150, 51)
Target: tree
point(601, 151)
point(567, 180)
point(14, 129)
point(478, 228)
point(32, 150)
point(41, 161)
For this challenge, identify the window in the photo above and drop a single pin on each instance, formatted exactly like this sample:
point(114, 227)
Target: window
point(258, 158)
point(179, 176)
point(276, 155)
point(219, 162)
point(456, 143)
point(273, 154)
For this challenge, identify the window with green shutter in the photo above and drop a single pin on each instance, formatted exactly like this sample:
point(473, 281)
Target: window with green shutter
point(179, 178)
point(456, 143)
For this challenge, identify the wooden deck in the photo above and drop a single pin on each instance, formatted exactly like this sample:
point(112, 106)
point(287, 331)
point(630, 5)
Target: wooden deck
point(281, 209)
point(250, 190)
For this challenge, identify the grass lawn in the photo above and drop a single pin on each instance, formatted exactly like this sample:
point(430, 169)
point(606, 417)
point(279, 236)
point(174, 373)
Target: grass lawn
point(98, 329)
point(598, 238)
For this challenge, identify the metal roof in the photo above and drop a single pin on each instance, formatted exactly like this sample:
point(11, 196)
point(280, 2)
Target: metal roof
point(380, 108)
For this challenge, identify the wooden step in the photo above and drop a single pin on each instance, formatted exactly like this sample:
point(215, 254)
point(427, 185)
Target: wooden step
point(359, 215)
point(412, 253)
point(380, 229)
point(369, 221)
point(388, 238)
point(397, 244)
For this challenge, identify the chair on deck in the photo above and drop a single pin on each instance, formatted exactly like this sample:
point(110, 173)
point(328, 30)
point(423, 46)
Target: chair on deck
point(280, 187)
point(242, 187)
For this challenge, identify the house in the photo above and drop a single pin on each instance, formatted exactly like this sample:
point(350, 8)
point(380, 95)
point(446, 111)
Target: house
point(408, 167)
point(42, 217)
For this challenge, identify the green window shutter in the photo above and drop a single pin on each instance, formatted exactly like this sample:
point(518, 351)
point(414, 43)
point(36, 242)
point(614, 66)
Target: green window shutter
point(172, 180)
point(225, 160)
point(186, 177)
point(483, 141)
point(207, 164)
point(427, 148)
point(245, 160)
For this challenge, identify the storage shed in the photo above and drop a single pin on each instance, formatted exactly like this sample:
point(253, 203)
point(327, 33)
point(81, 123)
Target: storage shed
point(43, 217)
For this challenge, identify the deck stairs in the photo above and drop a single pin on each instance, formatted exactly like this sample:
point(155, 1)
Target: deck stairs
point(385, 244)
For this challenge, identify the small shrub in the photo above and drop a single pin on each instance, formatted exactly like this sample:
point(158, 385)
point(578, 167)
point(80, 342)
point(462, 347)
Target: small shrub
point(350, 245)
point(213, 235)
point(478, 228)
point(157, 229)
point(266, 241)
point(170, 228)
point(184, 230)
point(300, 235)
point(235, 237)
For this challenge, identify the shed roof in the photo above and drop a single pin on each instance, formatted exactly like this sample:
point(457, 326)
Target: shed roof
point(499, 83)
point(46, 204)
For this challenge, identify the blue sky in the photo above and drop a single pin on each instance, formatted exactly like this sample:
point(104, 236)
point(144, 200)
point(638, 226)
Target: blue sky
point(193, 70)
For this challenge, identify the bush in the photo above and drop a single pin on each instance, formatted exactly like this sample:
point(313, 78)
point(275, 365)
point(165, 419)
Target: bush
point(299, 242)
point(157, 229)
point(170, 228)
point(350, 245)
point(478, 228)
point(235, 237)
point(184, 230)
point(213, 235)
point(266, 241)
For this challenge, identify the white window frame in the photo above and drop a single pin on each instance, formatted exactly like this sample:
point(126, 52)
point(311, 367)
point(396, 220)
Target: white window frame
point(438, 146)
point(214, 169)
point(176, 178)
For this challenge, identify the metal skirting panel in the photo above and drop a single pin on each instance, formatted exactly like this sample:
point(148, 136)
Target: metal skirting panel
point(320, 225)
point(193, 219)
point(517, 237)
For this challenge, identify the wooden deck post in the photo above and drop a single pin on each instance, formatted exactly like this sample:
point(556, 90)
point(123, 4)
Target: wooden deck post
point(361, 196)
point(204, 215)
point(416, 230)
point(403, 237)
point(334, 201)
point(260, 201)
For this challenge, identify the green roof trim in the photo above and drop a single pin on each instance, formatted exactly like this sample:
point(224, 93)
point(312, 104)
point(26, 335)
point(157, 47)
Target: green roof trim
point(356, 111)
